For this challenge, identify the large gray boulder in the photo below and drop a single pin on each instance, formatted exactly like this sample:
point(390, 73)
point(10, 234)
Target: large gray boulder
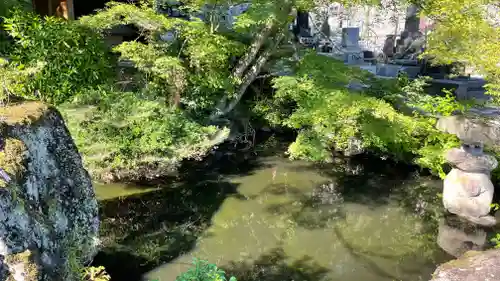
point(48, 211)
point(472, 266)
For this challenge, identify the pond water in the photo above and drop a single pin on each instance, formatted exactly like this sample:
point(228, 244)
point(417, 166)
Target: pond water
point(267, 218)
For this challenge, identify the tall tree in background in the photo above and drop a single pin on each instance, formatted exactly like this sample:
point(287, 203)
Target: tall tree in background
point(467, 31)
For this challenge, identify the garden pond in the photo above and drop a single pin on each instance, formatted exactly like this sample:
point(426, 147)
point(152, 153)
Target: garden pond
point(261, 216)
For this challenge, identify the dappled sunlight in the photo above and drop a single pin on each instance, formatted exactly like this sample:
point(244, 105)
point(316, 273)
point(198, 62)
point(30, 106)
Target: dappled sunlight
point(293, 213)
point(206, 113)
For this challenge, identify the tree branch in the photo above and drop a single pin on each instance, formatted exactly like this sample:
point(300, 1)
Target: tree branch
point(278, 25)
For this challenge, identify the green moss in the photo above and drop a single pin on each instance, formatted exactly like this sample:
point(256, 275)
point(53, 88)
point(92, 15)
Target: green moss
point(27, 258)
point(12, 159)
point(23, 112)
point(52, 205)
point(73, 251)
point(463, 261)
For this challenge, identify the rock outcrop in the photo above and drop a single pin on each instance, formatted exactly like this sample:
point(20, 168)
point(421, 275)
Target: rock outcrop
point(472, 266)
point(48, 211)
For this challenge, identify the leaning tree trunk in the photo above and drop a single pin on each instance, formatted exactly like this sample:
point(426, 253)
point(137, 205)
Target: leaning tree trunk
point(252, 52)
point(252, 74)
point(244, 63)
point(245, 66)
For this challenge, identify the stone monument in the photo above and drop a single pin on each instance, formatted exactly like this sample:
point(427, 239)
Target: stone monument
point(353, 54)
point(468, 190)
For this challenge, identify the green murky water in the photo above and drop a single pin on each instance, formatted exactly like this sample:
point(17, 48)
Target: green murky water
point(272, 220)
point(117, 190)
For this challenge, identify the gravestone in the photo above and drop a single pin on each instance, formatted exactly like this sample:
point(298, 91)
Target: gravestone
point(350, 45)
point(350, 37)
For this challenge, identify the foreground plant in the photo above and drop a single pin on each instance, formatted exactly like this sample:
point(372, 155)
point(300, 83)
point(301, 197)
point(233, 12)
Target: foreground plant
point(93, 273)
point(204, 271)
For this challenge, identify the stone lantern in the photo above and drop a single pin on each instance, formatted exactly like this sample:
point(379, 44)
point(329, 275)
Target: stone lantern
point(468, 190)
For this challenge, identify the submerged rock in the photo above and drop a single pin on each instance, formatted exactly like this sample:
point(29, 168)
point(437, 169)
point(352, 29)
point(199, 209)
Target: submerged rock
point(48, 211)
point(472, 266)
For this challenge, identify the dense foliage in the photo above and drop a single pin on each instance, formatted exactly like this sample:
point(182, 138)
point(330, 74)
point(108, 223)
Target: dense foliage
point(8, 5)
point(131, 137)
point(466, 31)
point(182, 87)
point(69, 56)
point(329, 115)
point(122, 134)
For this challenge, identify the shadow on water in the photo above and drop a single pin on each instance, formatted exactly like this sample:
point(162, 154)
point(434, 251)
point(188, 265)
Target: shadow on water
point(310, 211)
point(406, 263)
point(156, 226)
point(142, 230)
point(366, 180)
point(273, 266)
point(280, 220)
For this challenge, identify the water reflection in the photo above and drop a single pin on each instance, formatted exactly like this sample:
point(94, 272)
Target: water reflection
point(457, 236)
point(294, 221)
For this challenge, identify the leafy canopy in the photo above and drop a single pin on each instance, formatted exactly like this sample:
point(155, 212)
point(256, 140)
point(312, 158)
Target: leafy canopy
point(466, 31)
point(328, 115)
point(179, 83)
point(68, 55)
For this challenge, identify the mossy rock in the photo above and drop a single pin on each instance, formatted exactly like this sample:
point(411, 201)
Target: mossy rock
point(49, 196)
point(29, 266)
point(13, 156)
point(473, 265)
point(22, 112)
point(13, 159)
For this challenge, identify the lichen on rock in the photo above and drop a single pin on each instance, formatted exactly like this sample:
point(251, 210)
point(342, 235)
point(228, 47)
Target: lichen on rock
point(49, 206)
point(473, 265)
point(13, 160)
point(23, 266)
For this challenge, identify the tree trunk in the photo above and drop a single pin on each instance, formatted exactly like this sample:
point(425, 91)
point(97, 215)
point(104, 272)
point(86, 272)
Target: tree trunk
point(250, 76)
point(250, 55)
point(245, 62)
point(273, 25)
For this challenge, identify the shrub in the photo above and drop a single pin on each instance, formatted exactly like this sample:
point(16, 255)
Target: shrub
point(73, 57)
point(126, 132)
point(203, 271)
point(7, 5)
point(317, 102)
